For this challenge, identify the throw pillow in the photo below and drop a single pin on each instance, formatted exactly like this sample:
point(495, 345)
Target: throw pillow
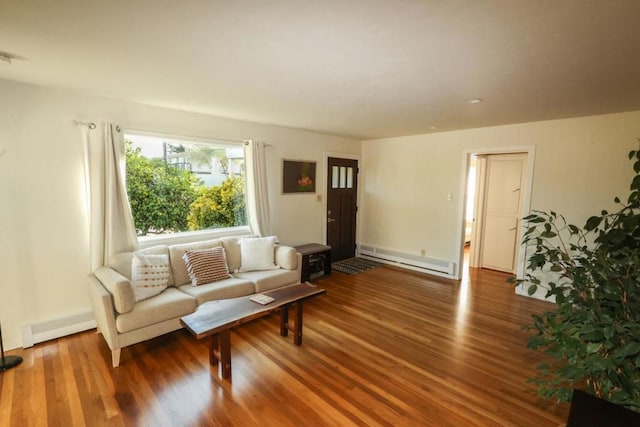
point(149, 275)
point(206, 265)
point(257, 254)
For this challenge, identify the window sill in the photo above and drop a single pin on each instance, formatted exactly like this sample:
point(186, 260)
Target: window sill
point(192, 236)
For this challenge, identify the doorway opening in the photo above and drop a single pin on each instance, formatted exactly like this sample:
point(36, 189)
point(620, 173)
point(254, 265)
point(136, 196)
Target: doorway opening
point(469, 216)
point(497, 194)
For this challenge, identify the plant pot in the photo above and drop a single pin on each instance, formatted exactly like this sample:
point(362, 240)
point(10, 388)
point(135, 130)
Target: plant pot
point(588, 410)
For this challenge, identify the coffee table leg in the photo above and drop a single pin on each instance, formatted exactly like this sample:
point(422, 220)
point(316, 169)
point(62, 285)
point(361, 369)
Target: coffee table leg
point(220, 351)
point(284, 321)
point(225, 353)
point(297, 328)
point(214, 351)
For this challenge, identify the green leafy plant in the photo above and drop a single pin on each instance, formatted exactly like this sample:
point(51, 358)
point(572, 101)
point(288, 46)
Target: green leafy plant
point(220, 206)
point(160, 194)
point(592, 337)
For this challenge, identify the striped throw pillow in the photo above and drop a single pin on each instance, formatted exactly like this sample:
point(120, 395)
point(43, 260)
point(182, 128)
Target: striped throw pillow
point(206, 265)
point(149, 275)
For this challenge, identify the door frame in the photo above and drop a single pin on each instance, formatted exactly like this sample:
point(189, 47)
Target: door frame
point(527, 187)
point(478, 208)
point(325, 180)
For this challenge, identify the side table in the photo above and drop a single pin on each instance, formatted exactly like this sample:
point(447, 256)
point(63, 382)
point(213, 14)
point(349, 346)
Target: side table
point(316, 261)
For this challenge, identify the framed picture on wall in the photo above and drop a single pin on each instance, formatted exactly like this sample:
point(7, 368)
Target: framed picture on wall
point(298, 176)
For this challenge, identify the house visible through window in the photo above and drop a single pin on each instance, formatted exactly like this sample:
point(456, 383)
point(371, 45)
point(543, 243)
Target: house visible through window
point(177, 185)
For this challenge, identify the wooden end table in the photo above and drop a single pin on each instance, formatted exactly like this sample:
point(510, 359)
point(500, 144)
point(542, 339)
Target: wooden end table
point(215, 319)
point(312, 253)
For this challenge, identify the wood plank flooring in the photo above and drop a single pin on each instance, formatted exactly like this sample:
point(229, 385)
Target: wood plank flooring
point(384, 347)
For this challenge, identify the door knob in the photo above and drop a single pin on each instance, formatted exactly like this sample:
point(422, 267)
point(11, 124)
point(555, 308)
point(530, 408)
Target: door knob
point(330, 220)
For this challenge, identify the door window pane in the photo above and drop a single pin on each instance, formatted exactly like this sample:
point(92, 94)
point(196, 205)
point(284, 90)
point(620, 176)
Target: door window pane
point(334, 176)
point(343, 176)
point(349, 177)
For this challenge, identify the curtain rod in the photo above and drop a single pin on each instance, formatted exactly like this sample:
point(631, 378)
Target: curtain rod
point(90, 125)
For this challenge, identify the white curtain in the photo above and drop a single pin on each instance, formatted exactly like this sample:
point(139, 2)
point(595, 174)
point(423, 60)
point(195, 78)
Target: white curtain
point(112, 228)
point(258, 212)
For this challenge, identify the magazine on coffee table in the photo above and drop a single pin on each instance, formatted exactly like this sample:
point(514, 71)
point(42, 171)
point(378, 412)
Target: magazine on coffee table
point(262, 299)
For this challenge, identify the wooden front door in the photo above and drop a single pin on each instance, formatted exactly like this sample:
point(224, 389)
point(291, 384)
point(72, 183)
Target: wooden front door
point(342, 190)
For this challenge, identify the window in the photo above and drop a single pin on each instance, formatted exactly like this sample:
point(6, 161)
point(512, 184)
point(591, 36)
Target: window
point(177, 185)
point(341, 177)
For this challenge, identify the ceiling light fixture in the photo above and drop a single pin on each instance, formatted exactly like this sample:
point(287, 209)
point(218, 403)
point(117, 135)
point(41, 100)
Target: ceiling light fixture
point(474, 100)
point(5, 57)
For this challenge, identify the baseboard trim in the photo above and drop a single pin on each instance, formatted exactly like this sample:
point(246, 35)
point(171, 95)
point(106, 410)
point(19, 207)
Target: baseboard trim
point(433, 266)
point(52, 329)
point(539, 294)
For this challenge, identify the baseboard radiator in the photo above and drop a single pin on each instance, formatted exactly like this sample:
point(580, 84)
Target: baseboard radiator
point(413, 262)
point(52, 329)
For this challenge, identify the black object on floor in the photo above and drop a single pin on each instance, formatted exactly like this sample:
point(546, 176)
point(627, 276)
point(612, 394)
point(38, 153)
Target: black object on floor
point(7, 362)
point(354, 265)
point(589, 411)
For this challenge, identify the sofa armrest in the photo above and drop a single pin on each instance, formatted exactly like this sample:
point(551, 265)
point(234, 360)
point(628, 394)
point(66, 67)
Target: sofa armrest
point(120, 288)
point(286, 257)
point(104, 312)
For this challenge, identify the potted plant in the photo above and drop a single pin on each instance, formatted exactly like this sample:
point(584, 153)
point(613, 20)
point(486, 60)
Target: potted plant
point(592, 337)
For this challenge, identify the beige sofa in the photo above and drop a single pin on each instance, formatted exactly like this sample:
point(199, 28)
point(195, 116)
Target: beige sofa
point(123, 321)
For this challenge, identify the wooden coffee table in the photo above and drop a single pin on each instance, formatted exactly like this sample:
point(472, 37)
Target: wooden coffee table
point(215, 319)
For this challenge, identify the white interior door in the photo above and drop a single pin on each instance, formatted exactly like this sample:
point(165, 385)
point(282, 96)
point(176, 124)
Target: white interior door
point(503, 199)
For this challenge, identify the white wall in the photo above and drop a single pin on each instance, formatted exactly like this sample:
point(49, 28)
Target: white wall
point(581, 164)
point(43, 224)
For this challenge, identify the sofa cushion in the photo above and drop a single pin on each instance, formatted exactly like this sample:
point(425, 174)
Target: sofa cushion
point(232, 252)
point(178, 267)
point(206, 265)
point(267, 280)
point(286, 257)
point(121, 262)
point(149, 274)
point(170, 304)
point(119, 287)
point(224, 289)
point(257, 254)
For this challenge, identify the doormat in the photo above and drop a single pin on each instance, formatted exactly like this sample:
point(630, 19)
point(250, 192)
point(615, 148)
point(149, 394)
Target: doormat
point(354, 265)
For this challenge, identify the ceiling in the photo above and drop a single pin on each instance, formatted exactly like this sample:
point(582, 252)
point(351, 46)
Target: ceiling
point(359, 68)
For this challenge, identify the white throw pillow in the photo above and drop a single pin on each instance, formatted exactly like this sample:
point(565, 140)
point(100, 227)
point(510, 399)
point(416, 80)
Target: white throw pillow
point(149, 275)
point(257, 254)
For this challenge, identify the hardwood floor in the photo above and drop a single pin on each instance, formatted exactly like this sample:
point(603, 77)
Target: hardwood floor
point(384, 347)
